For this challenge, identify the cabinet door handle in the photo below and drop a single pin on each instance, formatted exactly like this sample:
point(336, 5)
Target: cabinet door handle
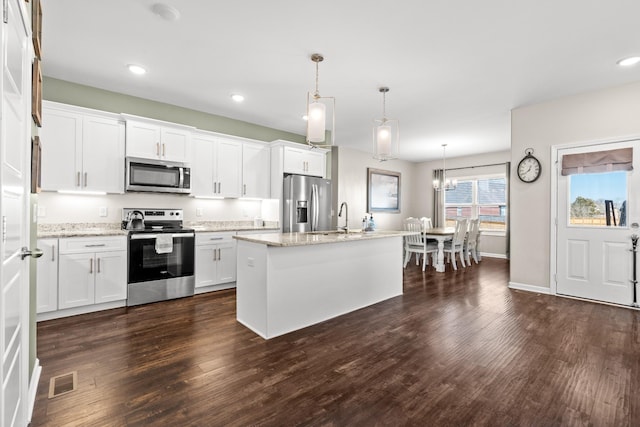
point(86, 174)
point(95, 245)
point(158, 149)
point(244, 189)
point(53, 253)
point(163, 149)
point(216, 238)
point(98, 265)
point(78, 179)
point(214, 255)
point(218, 250)
point(91, 266)
point(219, 187)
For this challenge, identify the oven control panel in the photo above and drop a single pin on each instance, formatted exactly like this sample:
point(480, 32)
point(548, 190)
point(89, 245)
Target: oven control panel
point(154, 214)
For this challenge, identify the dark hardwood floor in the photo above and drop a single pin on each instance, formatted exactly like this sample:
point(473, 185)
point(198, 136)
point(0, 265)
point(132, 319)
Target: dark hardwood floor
point(456, 349)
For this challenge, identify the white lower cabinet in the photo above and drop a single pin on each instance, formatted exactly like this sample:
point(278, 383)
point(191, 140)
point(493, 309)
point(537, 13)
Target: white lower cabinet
point(215, 259)
point(47, 276)
point(91, 271)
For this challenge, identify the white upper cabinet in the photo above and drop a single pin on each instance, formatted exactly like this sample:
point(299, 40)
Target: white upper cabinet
point(82, 149)
point(152, 139)
point(303, 161)
point(292, 158)
point(216, 166)
point(256, 159)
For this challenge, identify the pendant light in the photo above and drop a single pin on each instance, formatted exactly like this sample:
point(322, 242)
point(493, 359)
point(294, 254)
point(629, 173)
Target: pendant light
point(444, 184)
point(386, 133)
point(317, 113)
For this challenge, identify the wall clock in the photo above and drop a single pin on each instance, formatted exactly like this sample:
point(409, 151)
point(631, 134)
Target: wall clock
point(529, 167)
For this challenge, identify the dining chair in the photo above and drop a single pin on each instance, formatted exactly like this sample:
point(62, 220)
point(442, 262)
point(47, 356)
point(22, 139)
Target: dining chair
point(471, 244)
point(426, 223)
point(416, 244)
point(456, 244)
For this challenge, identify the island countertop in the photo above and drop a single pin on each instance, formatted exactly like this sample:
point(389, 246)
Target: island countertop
point(317, 237)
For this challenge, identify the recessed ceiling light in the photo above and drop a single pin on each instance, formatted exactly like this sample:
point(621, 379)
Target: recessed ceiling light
point(166, 12)
point(136, 69)
point(628, 62)
point(237, 97)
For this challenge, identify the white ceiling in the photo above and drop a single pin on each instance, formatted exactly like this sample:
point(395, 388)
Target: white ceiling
point(455, 68)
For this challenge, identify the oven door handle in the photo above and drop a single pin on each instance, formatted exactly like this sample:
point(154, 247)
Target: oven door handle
point(144, 236)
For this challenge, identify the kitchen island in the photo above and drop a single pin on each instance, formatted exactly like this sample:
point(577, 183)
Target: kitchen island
point(289, 281)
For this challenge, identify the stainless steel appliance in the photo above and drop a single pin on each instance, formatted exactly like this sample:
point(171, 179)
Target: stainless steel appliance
point(157, 176)
point(306, 204)
point(161, 256)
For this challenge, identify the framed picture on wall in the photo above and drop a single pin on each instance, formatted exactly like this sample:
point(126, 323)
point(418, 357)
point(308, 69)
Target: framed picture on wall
point(36, 93)
point(36, 27)
point(383, 191)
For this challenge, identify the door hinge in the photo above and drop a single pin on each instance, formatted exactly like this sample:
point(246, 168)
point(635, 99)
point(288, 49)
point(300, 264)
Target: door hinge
point(5, 11)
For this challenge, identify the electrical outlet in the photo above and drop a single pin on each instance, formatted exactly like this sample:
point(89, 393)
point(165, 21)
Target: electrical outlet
point(250, 262)
point(102, 211)
point(198, 211)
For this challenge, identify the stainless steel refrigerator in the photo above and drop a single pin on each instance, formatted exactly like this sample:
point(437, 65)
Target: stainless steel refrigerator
point(306, 204)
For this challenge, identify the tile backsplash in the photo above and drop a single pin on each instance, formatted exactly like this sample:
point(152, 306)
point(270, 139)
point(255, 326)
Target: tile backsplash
point(66, 208)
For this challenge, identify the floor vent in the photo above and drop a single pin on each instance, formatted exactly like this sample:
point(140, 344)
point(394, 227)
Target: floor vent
point(63, 384)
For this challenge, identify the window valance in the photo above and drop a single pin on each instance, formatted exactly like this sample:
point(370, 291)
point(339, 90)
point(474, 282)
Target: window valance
point(599, 161)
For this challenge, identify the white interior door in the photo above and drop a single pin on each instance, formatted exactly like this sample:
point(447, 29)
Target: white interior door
point(14, 188)
point(594, 259)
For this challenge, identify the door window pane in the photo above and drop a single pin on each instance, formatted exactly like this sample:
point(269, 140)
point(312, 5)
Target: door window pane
point(598, 199)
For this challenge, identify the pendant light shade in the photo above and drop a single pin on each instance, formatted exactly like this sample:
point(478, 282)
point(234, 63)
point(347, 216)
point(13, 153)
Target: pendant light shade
point(316, 122)
point(319, 109)
point(385, 134)
point(444, 183)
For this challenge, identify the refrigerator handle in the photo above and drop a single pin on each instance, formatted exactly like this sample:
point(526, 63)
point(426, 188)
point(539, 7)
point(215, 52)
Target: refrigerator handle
point(315, 209)
point(291, 210)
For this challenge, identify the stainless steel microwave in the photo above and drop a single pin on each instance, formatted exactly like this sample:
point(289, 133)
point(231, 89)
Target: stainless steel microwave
point(157, 176)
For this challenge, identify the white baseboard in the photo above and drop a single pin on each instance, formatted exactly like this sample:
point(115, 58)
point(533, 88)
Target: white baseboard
point(214, 288)
point(490, 255)
point(33, 388)
point(530, 288)
point(80, 310)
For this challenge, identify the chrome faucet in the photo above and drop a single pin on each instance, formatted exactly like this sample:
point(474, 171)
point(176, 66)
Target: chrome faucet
point(346, 216)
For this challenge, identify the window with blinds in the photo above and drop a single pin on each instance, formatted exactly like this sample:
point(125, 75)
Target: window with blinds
point(478, 197)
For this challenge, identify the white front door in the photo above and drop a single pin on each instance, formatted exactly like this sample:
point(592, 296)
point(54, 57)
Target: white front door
point(593, 253)
point(14, 231)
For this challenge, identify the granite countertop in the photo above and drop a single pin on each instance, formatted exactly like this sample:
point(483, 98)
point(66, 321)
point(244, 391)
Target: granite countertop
point(92, 229)
point(213, 226)
point(316, 238)
point(97, 229)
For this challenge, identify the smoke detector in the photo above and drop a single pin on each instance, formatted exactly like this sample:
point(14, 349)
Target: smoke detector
point(166, 12)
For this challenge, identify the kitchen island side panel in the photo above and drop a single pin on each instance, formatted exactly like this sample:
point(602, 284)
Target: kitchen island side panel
point(311, 284)
point(251, 286)
point(305, 285)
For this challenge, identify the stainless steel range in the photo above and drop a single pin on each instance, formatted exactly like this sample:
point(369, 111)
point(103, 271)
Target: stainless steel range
point(161, 255)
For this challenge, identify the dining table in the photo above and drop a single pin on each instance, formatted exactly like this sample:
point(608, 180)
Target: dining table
point(441, 234)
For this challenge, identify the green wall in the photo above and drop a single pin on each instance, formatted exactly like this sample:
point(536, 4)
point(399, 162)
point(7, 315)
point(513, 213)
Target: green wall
point(99, 99)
